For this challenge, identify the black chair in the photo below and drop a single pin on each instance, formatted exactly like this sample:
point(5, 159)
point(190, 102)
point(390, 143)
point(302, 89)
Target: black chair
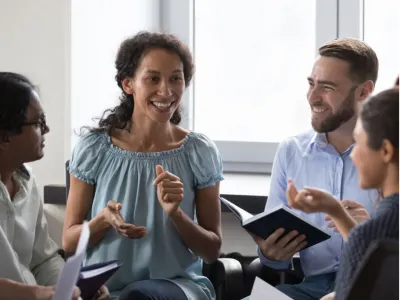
point(225, 274)
point(274, 277)
point(377, 276)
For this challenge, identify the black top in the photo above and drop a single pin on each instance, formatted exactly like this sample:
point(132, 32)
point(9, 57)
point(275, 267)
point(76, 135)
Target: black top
point(383, 225)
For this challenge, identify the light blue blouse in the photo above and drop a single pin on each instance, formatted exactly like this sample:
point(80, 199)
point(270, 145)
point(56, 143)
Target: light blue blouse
point(127, 177)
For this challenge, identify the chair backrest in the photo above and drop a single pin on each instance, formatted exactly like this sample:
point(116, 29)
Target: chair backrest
point(378, 274)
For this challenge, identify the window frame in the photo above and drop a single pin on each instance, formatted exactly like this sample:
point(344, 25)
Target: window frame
point(334, 18)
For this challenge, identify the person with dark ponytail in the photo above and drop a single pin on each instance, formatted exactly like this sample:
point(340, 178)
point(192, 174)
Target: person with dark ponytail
point(148, 187)
point(376, 157)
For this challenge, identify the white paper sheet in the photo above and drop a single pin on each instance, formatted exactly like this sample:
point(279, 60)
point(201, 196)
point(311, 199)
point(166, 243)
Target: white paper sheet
point(264, 291)
point(70, 273)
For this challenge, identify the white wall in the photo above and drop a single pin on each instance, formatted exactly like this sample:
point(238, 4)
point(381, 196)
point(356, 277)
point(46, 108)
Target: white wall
point(94, 46)
point(35, 41)
point(72, 65)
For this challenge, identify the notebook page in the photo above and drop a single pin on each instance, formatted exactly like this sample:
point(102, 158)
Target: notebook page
point(69, 275)
point(96, 272)
point(264, 291)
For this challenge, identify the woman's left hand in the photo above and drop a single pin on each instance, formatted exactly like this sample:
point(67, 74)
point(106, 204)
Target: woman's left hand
point(311, 200)
point(102, 294)
point(169, 190)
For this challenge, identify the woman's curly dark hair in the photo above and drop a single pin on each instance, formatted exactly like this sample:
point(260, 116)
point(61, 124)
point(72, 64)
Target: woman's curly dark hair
point(15, 96)
point(129, 57)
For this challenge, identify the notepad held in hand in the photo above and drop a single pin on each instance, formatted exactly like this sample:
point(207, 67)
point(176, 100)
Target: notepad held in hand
point(266, 223)
point(92, 277)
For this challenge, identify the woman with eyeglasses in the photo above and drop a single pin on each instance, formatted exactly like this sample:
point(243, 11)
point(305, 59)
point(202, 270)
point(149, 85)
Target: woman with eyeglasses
point(30, 262)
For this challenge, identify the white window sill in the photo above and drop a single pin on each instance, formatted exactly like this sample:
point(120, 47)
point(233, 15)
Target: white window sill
point(245, 184)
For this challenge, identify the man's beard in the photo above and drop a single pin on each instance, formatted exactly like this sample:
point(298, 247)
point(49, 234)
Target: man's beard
point(334, 121)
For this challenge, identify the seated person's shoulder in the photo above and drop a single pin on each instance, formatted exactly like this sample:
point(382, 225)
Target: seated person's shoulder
point(88, 155)
point(25, 171)
point(27, 176)
point(201, 142)
point(384, 224)
point(92, 137)
point(377, 228)
point(205, 160)
point(91, 143)
point(28, 180)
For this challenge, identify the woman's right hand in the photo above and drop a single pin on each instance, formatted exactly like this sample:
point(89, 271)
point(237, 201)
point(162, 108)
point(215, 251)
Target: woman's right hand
point(114, 218)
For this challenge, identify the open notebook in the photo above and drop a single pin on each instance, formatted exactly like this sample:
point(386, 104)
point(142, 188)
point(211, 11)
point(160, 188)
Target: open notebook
point(266, 223)
point(90, 278)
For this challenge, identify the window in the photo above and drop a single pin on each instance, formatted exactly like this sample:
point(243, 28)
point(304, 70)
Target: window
point(268, 83)
point(97, 30)
point(381, 32)
point(252, 60)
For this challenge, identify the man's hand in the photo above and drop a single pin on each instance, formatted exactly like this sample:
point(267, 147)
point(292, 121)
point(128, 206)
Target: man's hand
point(356, 210)
point(280, 246)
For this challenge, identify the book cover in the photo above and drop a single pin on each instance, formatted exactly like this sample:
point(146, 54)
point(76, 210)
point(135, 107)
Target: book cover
point(92, 277)
point(266, 223)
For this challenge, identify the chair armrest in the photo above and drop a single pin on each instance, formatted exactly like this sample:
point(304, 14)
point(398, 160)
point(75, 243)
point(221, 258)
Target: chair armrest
point(226, 276)
point(254, 267)
point(232, 278)
point(272, 276)
point(250, 272)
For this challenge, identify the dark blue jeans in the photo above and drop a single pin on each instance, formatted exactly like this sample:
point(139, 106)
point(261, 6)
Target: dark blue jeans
point(153, 289)
point(312, 288)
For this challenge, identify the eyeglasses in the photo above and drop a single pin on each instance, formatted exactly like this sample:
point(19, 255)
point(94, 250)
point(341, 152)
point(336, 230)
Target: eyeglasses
point(41, 123)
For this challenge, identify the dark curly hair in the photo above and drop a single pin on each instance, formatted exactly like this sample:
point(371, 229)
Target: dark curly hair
point(15, 96)
point(129, 57)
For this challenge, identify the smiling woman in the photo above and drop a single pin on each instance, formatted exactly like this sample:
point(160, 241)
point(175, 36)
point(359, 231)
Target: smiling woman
point(158, 86)
point(164, 217)
point(143, 58)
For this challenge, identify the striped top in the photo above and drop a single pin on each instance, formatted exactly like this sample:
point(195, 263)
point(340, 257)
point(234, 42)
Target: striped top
point(384, 224)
